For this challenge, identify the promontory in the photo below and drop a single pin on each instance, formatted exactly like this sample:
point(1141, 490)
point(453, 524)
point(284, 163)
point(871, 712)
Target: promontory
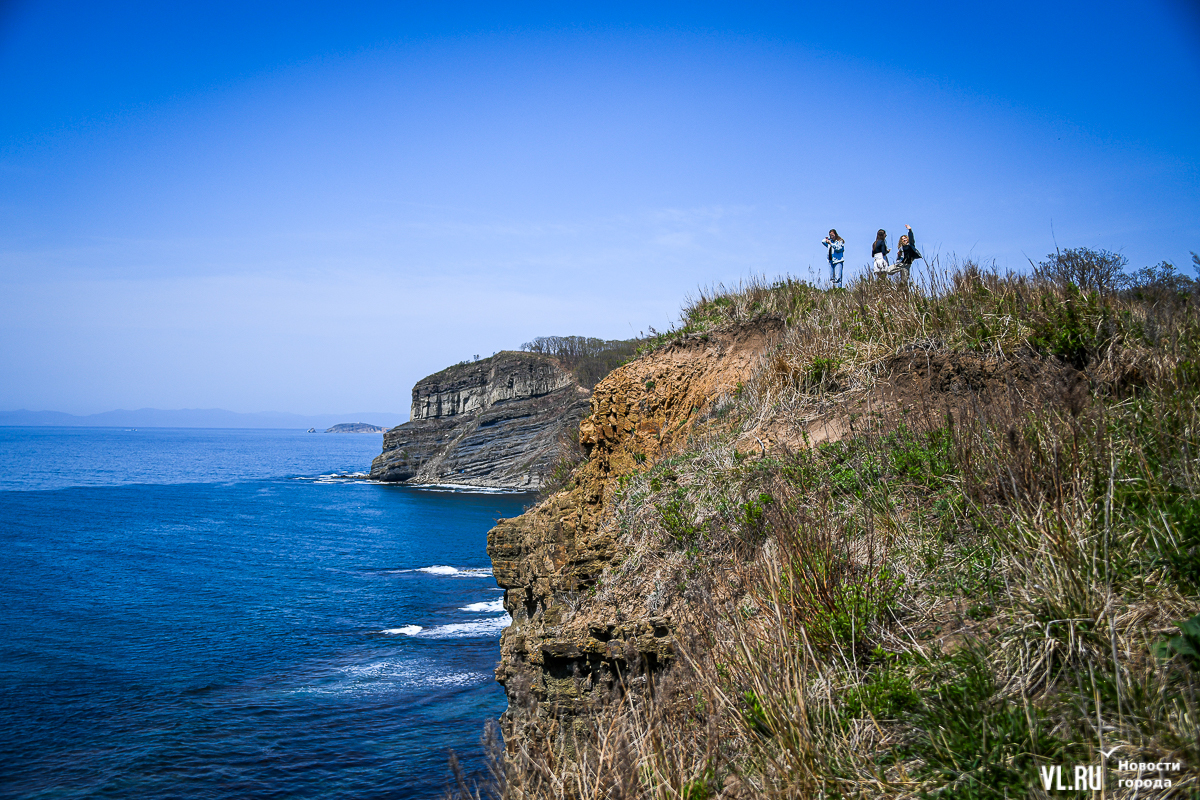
point(499, 422)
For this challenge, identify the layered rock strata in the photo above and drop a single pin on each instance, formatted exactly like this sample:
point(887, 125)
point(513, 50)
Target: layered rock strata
point(564, 653)
point(499, 422)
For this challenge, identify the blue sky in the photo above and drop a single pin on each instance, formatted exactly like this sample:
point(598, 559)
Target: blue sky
point(308, 207)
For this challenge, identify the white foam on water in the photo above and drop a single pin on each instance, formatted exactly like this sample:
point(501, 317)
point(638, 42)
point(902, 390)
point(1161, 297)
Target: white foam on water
point(389, 675)
point(407, 630)
point(334, 477)
point(450, 572)
point(373, 670)
point(458, 679)
point(465, 488)
point(478, 572)
point(491, 626)
point(438, 569)
point(488, 607)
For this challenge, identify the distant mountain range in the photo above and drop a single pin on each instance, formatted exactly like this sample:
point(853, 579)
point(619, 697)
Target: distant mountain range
point(198, 418)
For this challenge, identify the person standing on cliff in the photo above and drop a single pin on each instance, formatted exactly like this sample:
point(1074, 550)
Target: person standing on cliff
point(907, 252)
point(879, 252)
point(837, 257)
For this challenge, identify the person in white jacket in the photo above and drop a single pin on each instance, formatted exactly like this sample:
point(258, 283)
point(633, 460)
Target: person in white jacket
point(879, 253)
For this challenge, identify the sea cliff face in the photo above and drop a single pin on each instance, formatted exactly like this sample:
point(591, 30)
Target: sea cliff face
point(499, 422)
point(561, 657)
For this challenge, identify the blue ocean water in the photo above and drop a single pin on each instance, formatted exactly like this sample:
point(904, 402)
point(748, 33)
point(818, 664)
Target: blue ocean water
point(218, 614)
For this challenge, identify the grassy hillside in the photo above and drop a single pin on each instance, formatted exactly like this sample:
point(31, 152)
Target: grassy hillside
point(947, 536)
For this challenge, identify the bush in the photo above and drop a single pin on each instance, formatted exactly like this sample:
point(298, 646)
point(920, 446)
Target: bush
point(886, 694)
point(1159, 281)
point(1091, 270)
point(1067, 327)
point(676, 518)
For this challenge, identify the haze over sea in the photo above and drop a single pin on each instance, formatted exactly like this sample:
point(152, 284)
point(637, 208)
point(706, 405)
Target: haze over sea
point(216, 613)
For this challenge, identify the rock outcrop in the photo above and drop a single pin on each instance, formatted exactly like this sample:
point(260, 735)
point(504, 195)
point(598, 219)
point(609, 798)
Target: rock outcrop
point(561, 656)
point(499, 422)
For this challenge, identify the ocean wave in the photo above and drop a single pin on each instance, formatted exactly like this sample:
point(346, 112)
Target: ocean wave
point(407, 630)
point(490, 626)
point(439, 569)
point(364, 477)
point(465, 488)
point(451, 572)
point(334, 477)
point(487, 607)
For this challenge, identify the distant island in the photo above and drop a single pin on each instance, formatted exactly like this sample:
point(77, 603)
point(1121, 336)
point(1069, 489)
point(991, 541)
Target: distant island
point(355, 427)
point(195, 418)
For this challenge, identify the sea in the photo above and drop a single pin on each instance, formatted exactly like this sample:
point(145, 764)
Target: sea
point(238, 614)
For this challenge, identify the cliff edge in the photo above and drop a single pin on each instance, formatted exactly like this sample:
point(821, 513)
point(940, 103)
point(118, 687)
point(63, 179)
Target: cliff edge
point(564, 653)
point(500, 422)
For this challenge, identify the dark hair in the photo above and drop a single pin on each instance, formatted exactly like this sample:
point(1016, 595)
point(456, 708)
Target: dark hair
point(835, 234)
point(882, 234)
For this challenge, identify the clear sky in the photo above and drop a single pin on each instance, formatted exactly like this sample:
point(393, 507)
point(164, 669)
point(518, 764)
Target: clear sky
point(308, 207)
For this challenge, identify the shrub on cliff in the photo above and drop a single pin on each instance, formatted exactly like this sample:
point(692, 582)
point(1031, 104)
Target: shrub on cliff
point(1090, 270)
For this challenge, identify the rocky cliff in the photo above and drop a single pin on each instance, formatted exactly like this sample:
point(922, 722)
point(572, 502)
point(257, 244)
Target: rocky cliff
point(562, 654)
point(500, 422)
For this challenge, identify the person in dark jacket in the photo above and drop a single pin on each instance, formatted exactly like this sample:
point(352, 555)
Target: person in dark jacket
point(879, 252)
point(907, 252)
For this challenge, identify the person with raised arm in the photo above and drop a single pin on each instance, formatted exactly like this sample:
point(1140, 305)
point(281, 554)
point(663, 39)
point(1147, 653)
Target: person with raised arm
point(907, 252)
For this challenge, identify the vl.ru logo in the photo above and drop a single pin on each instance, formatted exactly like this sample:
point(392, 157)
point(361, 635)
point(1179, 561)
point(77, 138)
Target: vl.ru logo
point(1089, 777)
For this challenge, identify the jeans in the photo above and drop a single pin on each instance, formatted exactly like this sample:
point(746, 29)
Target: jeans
point(835, 273)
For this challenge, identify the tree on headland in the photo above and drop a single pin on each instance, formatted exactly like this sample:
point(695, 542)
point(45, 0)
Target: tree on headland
point(588, 358)
point(1091, 270)
point(1103, 272)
